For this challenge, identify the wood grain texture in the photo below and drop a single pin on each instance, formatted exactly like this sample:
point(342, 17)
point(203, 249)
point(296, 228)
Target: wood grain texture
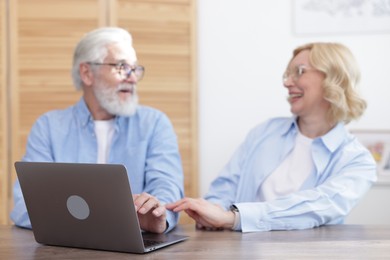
point(327, 242)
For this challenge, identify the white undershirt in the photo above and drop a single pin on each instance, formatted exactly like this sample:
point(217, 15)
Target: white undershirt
point(291, 173)
point(104, 130)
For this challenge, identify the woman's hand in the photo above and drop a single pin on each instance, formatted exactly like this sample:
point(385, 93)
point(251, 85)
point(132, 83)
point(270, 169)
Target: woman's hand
point(207, 215)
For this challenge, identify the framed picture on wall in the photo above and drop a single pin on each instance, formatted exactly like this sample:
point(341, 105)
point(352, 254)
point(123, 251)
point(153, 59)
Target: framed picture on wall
point(385, 162)
point(378, 143)
point(341, 16)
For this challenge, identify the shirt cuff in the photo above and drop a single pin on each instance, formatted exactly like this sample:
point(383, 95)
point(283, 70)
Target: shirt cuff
point(237, 221)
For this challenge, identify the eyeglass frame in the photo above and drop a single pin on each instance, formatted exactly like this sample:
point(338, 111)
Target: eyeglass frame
point(120, 66)
point(297, 73)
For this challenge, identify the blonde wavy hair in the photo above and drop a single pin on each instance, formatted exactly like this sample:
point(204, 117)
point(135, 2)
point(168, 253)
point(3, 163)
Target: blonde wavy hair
point(342, 76)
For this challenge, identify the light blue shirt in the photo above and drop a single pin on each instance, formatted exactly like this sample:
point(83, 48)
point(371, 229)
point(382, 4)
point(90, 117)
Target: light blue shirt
point(145, 143)
point(344, 172)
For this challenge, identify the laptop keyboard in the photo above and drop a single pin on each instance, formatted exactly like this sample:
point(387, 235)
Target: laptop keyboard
point(149, 243)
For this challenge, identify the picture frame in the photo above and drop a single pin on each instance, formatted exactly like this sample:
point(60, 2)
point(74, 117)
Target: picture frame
point(313, 17)
point(378, 143)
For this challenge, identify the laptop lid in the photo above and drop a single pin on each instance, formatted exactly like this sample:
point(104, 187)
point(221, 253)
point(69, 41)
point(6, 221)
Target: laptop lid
point(84, 205)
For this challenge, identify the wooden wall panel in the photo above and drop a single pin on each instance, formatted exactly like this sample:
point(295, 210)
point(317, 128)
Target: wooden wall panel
point(4, 177)
point(164, 38)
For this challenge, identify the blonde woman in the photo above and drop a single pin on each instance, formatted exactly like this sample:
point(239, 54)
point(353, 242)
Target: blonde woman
point(299, 172)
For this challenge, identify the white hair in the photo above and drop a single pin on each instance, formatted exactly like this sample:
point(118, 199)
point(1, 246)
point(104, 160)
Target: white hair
point(93, 48)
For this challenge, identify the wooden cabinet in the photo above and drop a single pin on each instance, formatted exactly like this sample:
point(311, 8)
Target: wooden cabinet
point(43, 34)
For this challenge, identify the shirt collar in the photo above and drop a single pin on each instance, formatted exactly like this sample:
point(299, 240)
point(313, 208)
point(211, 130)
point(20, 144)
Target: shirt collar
point(290, 126)
point(332, 140)
point(84, 115)
point(82, 112)
point(335, 137)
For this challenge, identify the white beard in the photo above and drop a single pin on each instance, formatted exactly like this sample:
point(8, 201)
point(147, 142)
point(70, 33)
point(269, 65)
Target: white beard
point(108, 99)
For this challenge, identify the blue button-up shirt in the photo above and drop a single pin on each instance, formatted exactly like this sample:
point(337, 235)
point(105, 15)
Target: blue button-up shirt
point(145, 143)
point(344, 171)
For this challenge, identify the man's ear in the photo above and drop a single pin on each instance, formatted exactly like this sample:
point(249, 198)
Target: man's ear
point(86, 74)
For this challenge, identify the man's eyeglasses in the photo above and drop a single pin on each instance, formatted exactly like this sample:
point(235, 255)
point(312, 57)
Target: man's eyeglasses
point(124, 69)
point(295, 73)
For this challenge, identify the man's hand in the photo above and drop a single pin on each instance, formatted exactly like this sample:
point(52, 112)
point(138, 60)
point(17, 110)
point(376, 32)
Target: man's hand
point(151, 214)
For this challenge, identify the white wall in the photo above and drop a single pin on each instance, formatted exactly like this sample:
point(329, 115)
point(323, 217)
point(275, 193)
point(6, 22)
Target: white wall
point(244, 47)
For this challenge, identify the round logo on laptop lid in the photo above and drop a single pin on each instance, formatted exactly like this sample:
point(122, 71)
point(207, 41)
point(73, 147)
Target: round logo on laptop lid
point(77, 207)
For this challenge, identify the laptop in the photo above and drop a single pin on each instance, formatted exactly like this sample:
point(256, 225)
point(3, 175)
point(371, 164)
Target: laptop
point(85, 206)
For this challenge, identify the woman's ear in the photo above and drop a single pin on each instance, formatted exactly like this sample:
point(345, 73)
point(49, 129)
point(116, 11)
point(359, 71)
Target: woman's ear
point(86, 74)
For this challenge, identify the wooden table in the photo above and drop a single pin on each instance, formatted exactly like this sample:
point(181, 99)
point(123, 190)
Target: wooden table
point(328, 242)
